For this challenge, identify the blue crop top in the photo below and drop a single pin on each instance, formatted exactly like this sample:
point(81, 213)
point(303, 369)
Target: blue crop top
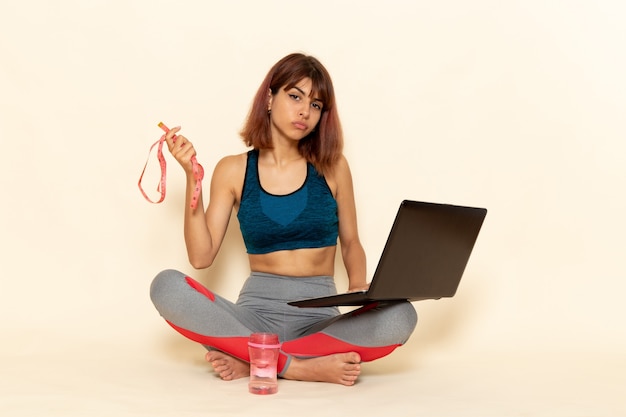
point(305, 218)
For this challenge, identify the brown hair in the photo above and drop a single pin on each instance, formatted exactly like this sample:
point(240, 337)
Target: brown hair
point(324, 145)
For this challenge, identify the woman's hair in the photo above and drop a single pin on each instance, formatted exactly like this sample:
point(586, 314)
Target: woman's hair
point(324, 145)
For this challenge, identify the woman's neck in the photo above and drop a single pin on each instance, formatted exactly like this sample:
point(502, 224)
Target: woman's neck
point(281, 154)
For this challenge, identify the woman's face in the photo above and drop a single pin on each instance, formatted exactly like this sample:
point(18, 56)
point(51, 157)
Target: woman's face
point(294, 112)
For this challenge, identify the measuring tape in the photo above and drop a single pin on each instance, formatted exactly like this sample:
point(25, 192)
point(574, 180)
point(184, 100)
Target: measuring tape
point(198, 172)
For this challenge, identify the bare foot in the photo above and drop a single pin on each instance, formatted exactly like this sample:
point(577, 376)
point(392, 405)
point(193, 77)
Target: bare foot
point(341, 368)
point(227, 367)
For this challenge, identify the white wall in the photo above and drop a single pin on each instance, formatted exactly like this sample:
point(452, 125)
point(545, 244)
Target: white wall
point(516, 106)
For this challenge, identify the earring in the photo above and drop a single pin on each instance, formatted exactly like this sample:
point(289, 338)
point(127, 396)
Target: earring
point(269, 112)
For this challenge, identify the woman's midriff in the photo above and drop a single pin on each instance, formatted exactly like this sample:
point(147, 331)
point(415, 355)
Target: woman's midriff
point(296, 263)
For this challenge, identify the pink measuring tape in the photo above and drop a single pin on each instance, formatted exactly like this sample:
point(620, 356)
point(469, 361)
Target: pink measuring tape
point(198, 172)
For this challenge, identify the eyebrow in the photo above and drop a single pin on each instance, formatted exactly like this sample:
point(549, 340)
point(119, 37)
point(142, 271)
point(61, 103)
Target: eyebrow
point(304, 94)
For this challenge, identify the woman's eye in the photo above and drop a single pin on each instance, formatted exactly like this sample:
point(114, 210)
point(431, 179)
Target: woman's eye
point(294, 96)
point(316, 106)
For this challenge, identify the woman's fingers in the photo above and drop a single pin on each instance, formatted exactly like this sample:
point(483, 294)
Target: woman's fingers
point(170, 137)
point(181, 149)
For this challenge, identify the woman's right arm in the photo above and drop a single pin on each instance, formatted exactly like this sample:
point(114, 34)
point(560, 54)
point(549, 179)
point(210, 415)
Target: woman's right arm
point(204, 231)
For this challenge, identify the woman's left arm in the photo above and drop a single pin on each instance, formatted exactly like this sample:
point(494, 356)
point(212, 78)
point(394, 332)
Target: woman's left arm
point(351, 249)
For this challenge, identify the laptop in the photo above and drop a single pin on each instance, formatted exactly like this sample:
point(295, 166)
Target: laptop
point(424, 257)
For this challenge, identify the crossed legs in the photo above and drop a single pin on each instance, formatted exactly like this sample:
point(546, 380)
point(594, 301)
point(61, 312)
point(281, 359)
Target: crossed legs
point(330, 351)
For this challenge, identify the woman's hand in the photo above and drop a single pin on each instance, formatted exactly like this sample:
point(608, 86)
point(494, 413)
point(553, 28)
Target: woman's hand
point(181, 149)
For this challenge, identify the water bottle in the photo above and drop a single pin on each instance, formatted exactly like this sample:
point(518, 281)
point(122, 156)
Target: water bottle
point(263, 348)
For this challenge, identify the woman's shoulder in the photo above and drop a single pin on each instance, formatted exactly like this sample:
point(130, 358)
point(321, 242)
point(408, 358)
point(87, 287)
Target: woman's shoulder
point(339, 175)
point(231, 166)
point(233, 161)
point(340, 168)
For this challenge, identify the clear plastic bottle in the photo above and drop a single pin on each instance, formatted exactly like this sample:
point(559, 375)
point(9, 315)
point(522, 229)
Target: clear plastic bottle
point(263, 348)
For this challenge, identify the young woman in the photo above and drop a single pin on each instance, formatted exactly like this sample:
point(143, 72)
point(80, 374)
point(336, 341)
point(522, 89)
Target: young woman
point(294, 199)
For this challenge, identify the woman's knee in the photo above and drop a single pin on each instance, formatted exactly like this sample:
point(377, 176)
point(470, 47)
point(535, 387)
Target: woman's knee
point(164, 284)
point(401, 319)
point(387, 323)
point(408, 315)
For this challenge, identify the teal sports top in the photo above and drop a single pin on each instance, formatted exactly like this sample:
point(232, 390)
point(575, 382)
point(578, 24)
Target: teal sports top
point(305, 218)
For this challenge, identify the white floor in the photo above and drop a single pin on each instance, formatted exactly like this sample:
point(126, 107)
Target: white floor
point(101, 379)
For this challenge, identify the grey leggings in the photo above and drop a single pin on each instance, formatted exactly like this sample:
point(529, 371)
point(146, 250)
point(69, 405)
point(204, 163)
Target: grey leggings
point(373, 331)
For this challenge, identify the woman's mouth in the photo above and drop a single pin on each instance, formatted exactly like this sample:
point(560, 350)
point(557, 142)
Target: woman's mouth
point(300, 125)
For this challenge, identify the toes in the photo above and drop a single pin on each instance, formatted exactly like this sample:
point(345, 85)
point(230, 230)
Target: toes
point(227, 375)
point(352, 367)
point(226, 367)
point(220, 366)
point(346, 380)
point(224, 371)
point(353, 357)
point(213, 355)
